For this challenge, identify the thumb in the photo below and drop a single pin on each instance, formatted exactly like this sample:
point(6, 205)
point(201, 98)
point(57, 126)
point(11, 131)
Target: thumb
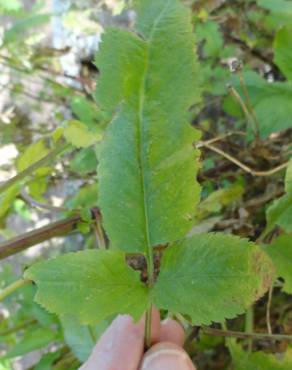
point(166, 356)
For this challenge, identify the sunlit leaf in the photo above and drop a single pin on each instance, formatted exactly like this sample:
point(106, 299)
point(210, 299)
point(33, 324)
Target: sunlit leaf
point(91, 285)
point(10, 5)
point(32, 154)
point(78, 134)
point(7, 198)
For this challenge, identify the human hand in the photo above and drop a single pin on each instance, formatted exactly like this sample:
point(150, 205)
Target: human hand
point(121, 347)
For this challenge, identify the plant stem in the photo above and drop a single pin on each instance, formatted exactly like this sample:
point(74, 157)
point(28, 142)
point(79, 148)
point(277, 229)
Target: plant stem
point(268, 312)
point(246, 335)
point(148, 323)
point(98, 228)
point(30, 170)
point(242, 165)
point(249, 321)
point(250, 107)
point(149, 249)
point(148, 319)
point(244, 108)
point(12, 288)
point(34, 203)
point(17, 328)
point(31, 238)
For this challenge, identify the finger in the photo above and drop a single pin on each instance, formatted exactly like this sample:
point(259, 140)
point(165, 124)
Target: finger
point(120, 347)
point(171, 331)
point(166, 356)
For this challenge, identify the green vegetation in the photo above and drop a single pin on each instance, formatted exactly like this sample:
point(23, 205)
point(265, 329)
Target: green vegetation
point(176, 182)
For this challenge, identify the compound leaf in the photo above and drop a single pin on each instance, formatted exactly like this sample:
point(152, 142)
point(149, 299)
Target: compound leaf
point(280, 252)
point(147, 170)
point(90, 285)
point(211, 277)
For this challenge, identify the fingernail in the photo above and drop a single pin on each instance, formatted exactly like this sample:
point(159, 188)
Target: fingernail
point(170, 359)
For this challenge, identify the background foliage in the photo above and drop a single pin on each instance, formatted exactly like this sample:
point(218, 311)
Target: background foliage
point(49, 114)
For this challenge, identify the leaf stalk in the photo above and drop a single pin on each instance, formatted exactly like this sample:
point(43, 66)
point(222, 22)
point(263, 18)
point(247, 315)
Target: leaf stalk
point(12, 288)
point(31, 169)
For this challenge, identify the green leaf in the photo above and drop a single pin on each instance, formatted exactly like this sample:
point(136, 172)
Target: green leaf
point(7, 198)
point(218, 199)
point(32, 154)
point(91, 285)
point(213, 40)
point(81, 338)
point(271, 102)
point(85, 110)
point(280, 252)
point(5, 365)
point(11, 5)
point(84, 161)
point(81, 21)
point(78, 134)
point(259, 360)
point(32, 340)
point(280, 212)
point(147, 170)
point(21, 208)
point(20, 28)
point(288, 178)
point(86, 197)
point(37, 187)
point(211, 277)
point(277, 6)
point(283, 51)
point(46, 362)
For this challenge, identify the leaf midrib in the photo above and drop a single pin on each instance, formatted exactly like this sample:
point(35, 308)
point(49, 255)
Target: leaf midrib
point(141, 158)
